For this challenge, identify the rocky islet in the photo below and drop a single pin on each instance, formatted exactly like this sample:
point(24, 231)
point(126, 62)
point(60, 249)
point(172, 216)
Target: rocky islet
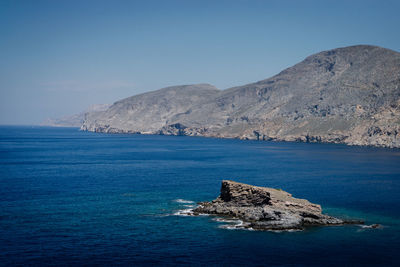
point(263, 208)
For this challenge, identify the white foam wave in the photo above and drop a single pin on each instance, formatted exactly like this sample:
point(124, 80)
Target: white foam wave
point(234, 224)
point(183, 201)
point(225, 220)
point(372, 226)
point(184, 212)
point(285, 231)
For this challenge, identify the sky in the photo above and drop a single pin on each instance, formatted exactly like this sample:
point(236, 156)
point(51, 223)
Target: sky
point(59, 57)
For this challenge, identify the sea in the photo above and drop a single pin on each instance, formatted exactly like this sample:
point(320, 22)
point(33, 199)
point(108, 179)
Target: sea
point(73, 198)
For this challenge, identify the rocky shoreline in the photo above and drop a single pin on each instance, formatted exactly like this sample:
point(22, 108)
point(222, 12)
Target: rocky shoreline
point(379, 138)
point(262, 208)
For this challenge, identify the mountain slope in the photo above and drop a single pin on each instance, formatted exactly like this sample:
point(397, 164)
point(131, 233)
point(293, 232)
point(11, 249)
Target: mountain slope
point(148, 112)
point(347, 95)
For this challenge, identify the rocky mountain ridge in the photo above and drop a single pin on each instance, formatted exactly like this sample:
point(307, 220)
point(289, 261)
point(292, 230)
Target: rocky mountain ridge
point(348, 95)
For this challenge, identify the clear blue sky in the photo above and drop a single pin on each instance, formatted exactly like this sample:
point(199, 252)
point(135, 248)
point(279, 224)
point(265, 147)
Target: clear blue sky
point(59, 57)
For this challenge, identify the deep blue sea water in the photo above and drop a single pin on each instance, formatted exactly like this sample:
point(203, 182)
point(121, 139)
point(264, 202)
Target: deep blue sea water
point(76, 198)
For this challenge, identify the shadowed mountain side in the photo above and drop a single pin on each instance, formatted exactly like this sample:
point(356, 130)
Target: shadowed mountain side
point(347, 95)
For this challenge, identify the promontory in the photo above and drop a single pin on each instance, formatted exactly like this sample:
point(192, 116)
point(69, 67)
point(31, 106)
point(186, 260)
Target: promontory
point(347, 95)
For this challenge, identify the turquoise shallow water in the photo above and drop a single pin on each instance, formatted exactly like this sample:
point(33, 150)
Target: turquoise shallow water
point(75, 198)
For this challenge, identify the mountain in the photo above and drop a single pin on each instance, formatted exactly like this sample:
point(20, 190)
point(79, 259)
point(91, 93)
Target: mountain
point(346, 95)
point(149, 112)
point(75, 120)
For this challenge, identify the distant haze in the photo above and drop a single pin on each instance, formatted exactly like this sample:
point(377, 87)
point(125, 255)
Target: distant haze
point(59, 57)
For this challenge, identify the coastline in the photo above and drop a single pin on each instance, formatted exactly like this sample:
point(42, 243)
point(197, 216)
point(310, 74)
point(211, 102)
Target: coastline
point(293, 139)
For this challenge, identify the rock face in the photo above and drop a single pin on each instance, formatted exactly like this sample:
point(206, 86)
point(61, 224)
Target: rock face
point(347, 95)
point(263, 208)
